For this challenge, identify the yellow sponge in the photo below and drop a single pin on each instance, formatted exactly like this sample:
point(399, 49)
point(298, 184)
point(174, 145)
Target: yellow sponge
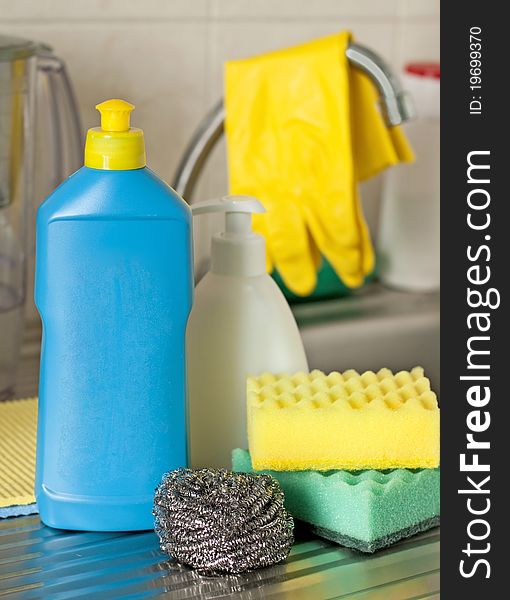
point(18, 426)
point(343, 421)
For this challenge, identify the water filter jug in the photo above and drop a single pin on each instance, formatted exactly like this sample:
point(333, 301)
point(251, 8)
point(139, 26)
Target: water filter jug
point(37, 104)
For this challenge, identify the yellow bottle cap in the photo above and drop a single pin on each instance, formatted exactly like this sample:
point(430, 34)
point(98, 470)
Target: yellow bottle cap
point(115, 146)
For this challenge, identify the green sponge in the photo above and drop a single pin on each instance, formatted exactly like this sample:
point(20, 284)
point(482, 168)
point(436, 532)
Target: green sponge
point(366, 510)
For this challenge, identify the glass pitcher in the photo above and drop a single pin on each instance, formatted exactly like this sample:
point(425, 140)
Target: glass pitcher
point(24, 68)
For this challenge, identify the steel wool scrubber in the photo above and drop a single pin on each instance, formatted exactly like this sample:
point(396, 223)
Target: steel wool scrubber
point(218, 521)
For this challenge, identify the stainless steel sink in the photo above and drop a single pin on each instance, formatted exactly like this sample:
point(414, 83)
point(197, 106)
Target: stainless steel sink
point(375, 327)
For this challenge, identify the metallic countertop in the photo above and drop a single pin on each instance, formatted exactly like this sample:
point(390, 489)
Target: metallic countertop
point(40, 562)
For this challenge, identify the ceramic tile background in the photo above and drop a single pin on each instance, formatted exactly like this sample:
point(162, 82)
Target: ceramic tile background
point(166, 56)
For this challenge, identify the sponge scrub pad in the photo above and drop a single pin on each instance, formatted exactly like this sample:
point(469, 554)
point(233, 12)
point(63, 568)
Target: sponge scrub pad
point(366, 510)
point(343, 421)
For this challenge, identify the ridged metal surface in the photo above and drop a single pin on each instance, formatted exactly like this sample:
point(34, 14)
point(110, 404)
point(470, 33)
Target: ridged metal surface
point(39, 562)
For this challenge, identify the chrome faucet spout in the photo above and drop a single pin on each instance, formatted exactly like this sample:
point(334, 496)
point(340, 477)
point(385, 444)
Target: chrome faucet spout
point(396, 104)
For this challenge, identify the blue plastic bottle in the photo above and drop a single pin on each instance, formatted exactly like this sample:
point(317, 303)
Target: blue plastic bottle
point(114, 290)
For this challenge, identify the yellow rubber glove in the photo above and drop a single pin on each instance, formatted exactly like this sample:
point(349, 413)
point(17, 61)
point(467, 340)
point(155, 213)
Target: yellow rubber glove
point(302, 129)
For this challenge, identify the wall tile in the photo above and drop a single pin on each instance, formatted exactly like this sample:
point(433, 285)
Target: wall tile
point(298, 9)
point(419, 8)
point(52, 11)
point(417, 41)
point(238, 40)
point(160, 68)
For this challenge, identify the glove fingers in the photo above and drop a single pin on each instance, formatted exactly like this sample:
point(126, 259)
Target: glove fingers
point(288, 242)
point(314, 251)
point(342, 235)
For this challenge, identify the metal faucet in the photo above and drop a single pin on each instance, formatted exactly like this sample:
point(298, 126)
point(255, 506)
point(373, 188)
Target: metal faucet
point(396, 107)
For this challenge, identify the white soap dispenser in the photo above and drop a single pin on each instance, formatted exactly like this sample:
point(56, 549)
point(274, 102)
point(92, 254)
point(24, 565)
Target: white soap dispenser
point(240, 325)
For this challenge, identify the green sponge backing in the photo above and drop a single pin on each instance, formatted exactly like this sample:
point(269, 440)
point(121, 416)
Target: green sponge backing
point(366, 510)
point(372, 546)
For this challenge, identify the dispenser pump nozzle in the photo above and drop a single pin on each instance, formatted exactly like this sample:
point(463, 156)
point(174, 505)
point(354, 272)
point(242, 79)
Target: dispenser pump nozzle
point(229, 204)
point(238, 251)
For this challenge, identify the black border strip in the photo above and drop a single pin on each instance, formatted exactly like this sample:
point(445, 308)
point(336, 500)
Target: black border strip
point(464, 132)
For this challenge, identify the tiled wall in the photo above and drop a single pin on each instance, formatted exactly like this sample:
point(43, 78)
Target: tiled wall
point(166, 56)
